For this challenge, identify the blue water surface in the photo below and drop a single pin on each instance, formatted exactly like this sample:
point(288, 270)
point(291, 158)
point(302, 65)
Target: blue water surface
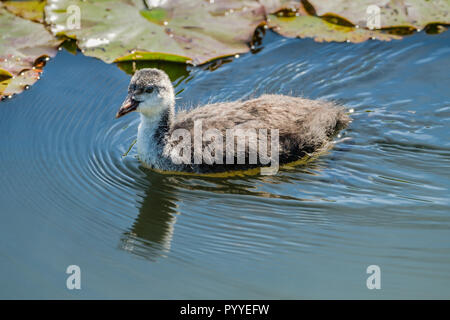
point(68, 196)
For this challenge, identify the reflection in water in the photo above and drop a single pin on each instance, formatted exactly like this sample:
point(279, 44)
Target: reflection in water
point(151, 234)
point(68, 196)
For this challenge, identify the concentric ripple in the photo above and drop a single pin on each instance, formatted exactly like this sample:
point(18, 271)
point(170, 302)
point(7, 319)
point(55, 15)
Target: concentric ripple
point(69, 194)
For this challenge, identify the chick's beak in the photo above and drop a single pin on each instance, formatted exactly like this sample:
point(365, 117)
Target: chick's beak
point(127, 106)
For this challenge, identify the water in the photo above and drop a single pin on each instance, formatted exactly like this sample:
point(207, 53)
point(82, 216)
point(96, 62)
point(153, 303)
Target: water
point(380, 197)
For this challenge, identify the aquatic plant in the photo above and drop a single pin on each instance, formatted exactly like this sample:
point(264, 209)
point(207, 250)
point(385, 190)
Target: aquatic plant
point(190, 31)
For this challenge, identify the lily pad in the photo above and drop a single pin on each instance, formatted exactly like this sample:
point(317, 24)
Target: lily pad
point(17, 84)
point(30, 10)
point(24, 47)
point(175, 71)
point(401, 13)
point(321, 30)
point(194, 31)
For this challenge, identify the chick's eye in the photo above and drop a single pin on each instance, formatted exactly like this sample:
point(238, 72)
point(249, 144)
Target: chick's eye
point(149, 90)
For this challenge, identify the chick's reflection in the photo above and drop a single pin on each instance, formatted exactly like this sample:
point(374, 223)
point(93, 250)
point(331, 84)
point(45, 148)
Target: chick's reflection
point(151, 233)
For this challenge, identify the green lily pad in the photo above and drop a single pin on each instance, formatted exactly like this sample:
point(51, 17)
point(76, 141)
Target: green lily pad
point(30, 10)
point(24, 46)
point(401, 13)
point(321, 30)
point(175, 71)
point(194, 31)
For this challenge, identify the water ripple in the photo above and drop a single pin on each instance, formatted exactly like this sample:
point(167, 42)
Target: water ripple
point(382, 188)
